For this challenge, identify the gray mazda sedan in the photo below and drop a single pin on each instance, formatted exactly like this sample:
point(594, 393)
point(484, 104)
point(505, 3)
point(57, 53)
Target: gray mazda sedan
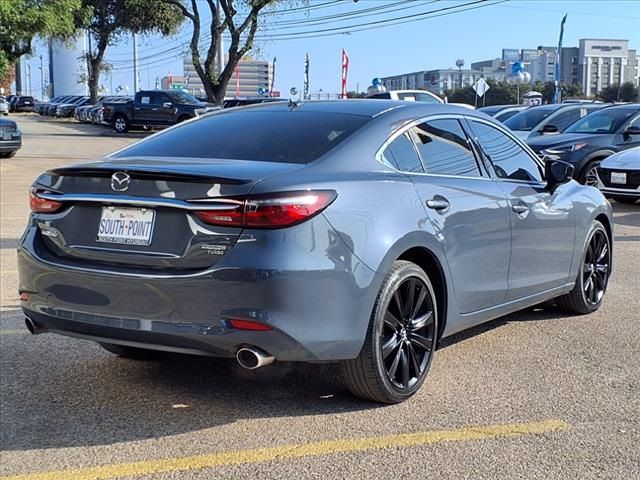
point(359, 232)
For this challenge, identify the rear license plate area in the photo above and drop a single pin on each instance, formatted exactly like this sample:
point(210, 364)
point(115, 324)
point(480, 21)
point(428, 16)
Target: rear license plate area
point(126, 226)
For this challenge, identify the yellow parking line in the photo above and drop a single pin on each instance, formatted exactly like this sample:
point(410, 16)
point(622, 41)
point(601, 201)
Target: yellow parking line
point(295, 451)
point(13, 331)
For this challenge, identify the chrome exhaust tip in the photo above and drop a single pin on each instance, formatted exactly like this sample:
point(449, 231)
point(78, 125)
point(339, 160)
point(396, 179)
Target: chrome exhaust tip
point(252, 358)
point(33, 328)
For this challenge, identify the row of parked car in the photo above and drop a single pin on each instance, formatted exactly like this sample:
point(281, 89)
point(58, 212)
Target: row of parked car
point(600, 140)
point(581, 133)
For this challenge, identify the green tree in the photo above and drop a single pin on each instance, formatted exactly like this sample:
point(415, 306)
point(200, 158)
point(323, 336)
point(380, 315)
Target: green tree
point(110, 20)
point(240, 18)
point(629, 92)
point(23, 20)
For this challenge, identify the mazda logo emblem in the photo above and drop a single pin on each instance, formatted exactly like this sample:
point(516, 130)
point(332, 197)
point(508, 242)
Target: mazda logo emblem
point(120, 182)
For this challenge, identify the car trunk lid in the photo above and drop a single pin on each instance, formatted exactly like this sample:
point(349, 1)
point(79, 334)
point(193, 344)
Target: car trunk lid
point(139, 213)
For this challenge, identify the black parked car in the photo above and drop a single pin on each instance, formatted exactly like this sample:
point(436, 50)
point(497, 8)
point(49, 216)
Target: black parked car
point(23, 103)
point(152, 108)
point(588, 141)
point(10, 138)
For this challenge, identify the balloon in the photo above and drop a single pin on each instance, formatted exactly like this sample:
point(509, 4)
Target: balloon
point(517, 67)
point(293, 91)
point(376, 82)
point(262, 91)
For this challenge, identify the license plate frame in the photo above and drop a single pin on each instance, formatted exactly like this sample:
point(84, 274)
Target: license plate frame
point(116, 224)
point(619, 178)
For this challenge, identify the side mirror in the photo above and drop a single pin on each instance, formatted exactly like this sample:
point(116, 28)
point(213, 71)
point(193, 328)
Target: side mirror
point(556, 173)
point(549, 129)
point(167, 104)
point(629, 131)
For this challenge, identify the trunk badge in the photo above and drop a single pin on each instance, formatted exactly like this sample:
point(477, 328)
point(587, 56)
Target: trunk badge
point(120, 182)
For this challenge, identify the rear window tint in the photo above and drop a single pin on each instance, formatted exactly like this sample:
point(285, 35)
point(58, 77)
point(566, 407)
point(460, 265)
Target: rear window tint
point(265, 135)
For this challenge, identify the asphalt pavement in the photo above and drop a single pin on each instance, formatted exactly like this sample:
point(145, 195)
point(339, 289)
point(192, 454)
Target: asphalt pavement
point(536, 395)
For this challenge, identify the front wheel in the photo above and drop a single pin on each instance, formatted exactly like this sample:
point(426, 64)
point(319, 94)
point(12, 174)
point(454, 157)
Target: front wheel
point(121, 124)
point(591, 284)
point(590, 174)
point(400, 341)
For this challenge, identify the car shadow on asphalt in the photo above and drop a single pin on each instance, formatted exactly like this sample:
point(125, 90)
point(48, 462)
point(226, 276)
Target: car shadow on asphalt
point(542, 312)
point(60, 392)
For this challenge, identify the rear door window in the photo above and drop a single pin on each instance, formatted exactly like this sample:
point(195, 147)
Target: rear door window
point(401, 155)
point(445, 149)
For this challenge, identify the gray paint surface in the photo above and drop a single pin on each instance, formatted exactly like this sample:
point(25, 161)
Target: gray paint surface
point(315, 283)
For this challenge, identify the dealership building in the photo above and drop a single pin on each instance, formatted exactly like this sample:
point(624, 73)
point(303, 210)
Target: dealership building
point(594, 64)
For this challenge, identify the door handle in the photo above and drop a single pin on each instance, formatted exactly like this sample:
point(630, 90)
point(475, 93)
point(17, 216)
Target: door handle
point(520, 209)
point(438, 203)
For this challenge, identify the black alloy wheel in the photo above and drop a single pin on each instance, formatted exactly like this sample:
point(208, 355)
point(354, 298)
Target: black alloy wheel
point(595, 272)
point(593, 277)
point(406, 340)
point(401, 338)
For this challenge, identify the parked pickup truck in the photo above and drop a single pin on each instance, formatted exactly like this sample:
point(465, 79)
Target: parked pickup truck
point(152, 108)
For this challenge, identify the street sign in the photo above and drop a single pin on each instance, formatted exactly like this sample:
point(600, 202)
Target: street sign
point(481, 87)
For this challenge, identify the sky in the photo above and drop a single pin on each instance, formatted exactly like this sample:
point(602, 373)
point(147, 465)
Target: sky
point(418, 42)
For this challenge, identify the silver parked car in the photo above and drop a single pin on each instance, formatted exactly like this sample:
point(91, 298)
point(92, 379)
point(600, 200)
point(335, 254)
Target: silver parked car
point(360, 232)
point(619, 176)
point(4, 106)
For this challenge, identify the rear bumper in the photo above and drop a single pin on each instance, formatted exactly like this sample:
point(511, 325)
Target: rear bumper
point(303, 282)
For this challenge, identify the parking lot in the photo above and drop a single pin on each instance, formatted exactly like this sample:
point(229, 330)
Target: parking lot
point(535, 395)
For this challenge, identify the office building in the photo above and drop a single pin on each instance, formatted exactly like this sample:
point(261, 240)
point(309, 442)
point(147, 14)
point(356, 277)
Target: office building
point(248, 79)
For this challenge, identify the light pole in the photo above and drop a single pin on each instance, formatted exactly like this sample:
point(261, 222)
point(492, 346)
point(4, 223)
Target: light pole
point(135, 65)
point(29, 77)
point(41, 80)
point(460, 64)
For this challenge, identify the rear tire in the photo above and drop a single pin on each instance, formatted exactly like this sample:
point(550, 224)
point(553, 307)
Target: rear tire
point(131, 352)
point(121, 124)
point(400, 341)
point(595, 268)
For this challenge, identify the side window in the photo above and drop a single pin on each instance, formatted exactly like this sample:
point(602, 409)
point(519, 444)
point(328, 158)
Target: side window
point(564, 119)
point(401, 155)
point(635, 123)
point(509, 159)
point(156, 98)
point(385, 96)
point(444, 148)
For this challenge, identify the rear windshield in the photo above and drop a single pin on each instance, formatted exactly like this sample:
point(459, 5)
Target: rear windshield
point(270, 136)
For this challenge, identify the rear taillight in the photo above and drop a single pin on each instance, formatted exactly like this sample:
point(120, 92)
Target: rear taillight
point(41, 205)
point(270, 211)
point(248, 325)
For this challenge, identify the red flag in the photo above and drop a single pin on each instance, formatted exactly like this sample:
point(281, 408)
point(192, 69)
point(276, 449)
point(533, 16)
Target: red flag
point(345, 72)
